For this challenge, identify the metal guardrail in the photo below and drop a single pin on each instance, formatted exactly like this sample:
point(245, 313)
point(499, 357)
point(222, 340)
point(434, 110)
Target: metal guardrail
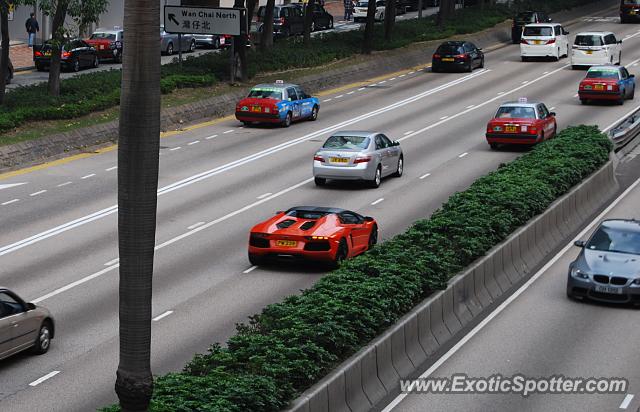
point(625, 131)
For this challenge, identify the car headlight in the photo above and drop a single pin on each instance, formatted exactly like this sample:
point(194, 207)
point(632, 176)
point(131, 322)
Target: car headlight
point(577, 273)
point(636, 282)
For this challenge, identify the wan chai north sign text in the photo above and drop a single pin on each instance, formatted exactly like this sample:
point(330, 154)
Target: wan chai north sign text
point(203, 20)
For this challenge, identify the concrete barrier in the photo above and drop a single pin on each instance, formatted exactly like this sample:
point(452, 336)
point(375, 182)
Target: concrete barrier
point(374, 372)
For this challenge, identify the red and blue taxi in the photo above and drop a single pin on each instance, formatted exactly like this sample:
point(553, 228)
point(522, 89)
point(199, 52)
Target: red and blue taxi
point(613, 83)
point(521, 122)
point(278, 102)
point(108, 43)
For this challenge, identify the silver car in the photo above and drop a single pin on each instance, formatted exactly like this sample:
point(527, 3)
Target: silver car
point(608, 266)
point(358, 155)
point(23, 325)
point(169, 42)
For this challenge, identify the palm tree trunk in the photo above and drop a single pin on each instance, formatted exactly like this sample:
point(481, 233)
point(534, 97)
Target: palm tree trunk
point(389, 18)
point(308, 20)
point(4, 56)
point(367, 44)
point(138, 155)
point(240, 45)
point(56, 46)
point(266, 40)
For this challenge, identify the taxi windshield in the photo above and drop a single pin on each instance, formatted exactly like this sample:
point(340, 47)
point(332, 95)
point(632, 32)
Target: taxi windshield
point(260, 93)
point(102, 36)
point(347, 142)
point(602, 74)
point(588, 40)
point(516, 112)
point(538, 31)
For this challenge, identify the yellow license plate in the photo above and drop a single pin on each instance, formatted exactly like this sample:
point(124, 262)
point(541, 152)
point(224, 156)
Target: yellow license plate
point(511, 129)
point(256, 109)
point(338, 160)
point(47, 54)
point(589, 52)
point(632, 12)
point(447, 59)
point(537, 42)
point(286, 243)
point(599, 87)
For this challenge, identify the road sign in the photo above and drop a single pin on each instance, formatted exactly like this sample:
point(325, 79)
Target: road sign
point(204, 20)
point(11, 9)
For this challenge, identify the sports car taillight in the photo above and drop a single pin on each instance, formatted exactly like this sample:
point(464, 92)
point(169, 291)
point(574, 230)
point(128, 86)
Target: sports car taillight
point(362, 159)
point(318, 158)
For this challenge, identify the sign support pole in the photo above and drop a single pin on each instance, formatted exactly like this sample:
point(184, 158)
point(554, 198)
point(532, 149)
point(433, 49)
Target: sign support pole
point(233, 59)
point(180, 50)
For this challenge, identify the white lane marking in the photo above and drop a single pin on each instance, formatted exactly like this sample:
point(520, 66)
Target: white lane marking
point(64, 184)
point(383, 81)
point(471, 106)
point(239, 162)
point(500, 93)
point(377, 201)
point(393, 78)
point(326, 100)
point(194, 142)
point(547, 72)
point(251, 269)
point(627, 400)
point(111, 168)
point(552, 108)
point(164, 315)
point(362, 88)
point(513, 297)
point(463, 154)
point(339, 96)
point(111, 262)
point(227, 131)
point(402, 75)
point(44, 378)
point(352, 92)
point(173, 240)
point(443, 117)
point(10, 201)
point(634, 64)
point(8, 185)
point(410, 72)
point(195, 225)
point(88, 176)
point(525, 82)
point(175, 148)
point(408, 132)
point(38, 192)
point(424, 176)
point(211, 137)
point(262, 196)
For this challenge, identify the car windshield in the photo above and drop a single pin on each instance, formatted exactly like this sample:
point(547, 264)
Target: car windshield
point(615, 240)
point(525, 17)
point(102, 36)
point(450, 49)
point(588, 40)
point(602, 74)
point(347, 142)
point(516, 112)
point(538, 31)
point(265, 93)
point(306, 214)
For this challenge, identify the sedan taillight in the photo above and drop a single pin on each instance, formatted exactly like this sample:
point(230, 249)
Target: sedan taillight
point(523, 41)
point(318, 158)
point(551, 41)
point(362, 159)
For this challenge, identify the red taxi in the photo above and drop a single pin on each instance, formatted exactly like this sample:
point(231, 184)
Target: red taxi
point(521, 122)
point(108, 44)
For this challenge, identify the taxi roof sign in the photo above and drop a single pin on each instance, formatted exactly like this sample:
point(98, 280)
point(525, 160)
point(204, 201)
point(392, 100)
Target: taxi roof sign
point(279, 81)
point(522, 100)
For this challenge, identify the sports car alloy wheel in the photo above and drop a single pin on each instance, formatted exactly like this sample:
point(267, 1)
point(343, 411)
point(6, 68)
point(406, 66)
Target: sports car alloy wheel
point(341, 254)
point(373, 237)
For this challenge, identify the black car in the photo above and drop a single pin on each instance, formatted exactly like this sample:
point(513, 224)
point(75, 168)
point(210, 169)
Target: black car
point(524, 18)
point(75, 55)
point(322, 20)
point(629, 11)
point(457, 55)
point(287, 19)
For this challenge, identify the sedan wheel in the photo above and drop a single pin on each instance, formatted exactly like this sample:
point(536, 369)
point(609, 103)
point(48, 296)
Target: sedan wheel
point(287, 120)
point(400, 168)
point(314, 114)
point(320, 181)
point(76, 65)
point(170, 49)
point(43, 340)
point(377, 179)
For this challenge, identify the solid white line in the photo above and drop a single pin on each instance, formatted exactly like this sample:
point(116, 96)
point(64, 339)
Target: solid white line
point(410, 72)
point(164, 315)
point(228, 131)
point(383, 81)
point(339, 96)
point(211, 137)
point(362, 88)
point(393, 78)
point(463, 154)
point(500, 93)
point(513, 297)
point(194, 142)
point(408, 132)
point(402, 75)
point(545, 72)
point(175, 148)
point(262, 196)
point(10, 201)
point(377, 201)
point(351, 92)
point(64, 184)
point(525, 82)
point(443, 117)
point(606, 129)
point(111, 262)
point(425, 176)
point(38, 193)
point(111, 168)
point(10, 185)
point(627, 400)
point(471, 106)
point(44, 378)
point(251, 269)
point(88, 176)
point(195, 225)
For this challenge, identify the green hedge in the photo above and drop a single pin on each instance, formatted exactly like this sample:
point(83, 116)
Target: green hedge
point(293, 344)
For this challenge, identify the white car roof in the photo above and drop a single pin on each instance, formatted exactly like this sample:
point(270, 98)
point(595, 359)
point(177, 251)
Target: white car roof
point(542, 25)
point(594, 33)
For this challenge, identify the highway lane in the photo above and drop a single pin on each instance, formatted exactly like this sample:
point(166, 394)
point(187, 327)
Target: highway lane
point(186, 280)
point(540, 334)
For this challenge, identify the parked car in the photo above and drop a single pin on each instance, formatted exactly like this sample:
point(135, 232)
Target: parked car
point(612, 83)
point(595, 47)
point(23, 326)
point(629, 11)
point(522, 19)
point(169, 42)
point(358, 155)
point(108, 44)
point(607, 268)
point(544, 40)
point(360, 11)
point(287, 19)
point(9, 74)
point(457, 55)
point(75, 55)
point(321, 19)
point(212, 41)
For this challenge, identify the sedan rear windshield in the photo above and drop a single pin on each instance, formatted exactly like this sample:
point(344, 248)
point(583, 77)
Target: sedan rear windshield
point(615, 240)
point(516, 112)
point(450, 49)
point(602, 74)
point(266, 94)
point(538, 31)
point(588, 40)
point(102, 36)
point(527, 17)
point(347, 142)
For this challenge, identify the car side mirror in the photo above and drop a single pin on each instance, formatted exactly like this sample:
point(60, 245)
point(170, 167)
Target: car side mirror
point(565, 32)
point(549, 20)
point(552, 113)
point(579, 243)
point(619, 41)
point(479, 49)
point(368, 219)
point(30, 306)
point(279, 211)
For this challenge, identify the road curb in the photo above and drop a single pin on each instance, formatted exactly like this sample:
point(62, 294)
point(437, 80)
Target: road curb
point(434, 324)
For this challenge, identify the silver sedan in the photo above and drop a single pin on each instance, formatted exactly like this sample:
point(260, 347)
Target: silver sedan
point(169, 42)
point(358, 155)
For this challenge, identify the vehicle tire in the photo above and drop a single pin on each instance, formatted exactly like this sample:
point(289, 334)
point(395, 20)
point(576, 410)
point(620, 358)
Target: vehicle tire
point(287, 120)
point(623, 20)
point(566, 54)
point(314, 114)
point(377, 179)
point(584, 101)
point(320, 181)
point(434, 69)
point(96, 62)
point(43, 340)
point(118, 58)
point(400, 169)
point(216, 43)
point(192, 46)
point(524, 59)
point(341, 254)
point(246, 124)
point(557, 56)
point(633, 93)
point(256, 260)
point(331, 23)
point(76, 65)
point(469, 68)
point(482, 63)
point(493, 146)
point(620, 101)
point(373, 237)
point(169, 50)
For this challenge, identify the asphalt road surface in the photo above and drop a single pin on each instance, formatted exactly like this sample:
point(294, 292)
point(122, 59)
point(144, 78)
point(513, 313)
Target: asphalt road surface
point(58, 245)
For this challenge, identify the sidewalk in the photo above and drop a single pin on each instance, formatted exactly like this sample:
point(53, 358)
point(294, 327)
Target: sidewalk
point(21, 56)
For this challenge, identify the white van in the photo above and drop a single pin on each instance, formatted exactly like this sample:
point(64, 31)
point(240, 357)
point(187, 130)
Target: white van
point(595, 48)
point(544, 40)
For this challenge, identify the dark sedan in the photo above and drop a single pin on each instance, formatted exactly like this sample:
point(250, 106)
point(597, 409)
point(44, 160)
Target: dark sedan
point(321, 19)
point(75, 55)
point(456, 56)
point(608, 266)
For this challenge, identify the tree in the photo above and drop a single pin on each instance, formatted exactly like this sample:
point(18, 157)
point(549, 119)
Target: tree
point(4, 46)
point(240, 45)
point(446, 11)
point(266, 40)
point(389, 18)
point(308, 22)
point(138, 156)
point(369, 28)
